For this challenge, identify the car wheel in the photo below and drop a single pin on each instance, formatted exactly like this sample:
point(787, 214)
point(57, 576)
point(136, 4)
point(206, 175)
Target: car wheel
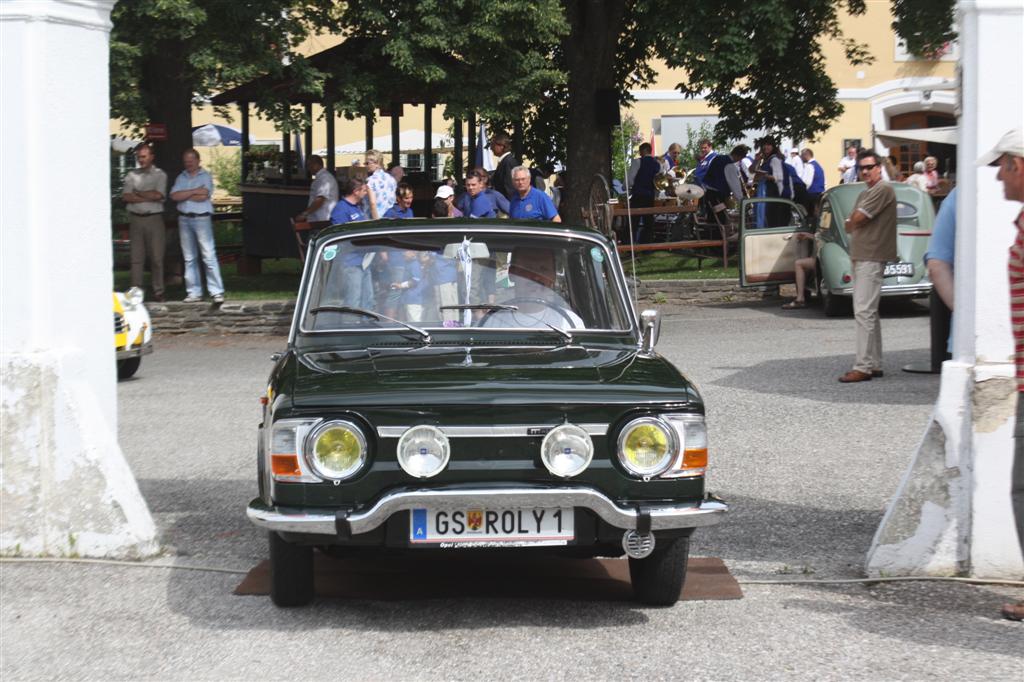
point(127, 368)
point(658, 579)
point(291, 573)
point(834, 306)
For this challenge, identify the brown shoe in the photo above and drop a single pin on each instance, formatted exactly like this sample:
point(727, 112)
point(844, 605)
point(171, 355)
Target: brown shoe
point(1014, 611)
point(853, 376)
point(877, 374)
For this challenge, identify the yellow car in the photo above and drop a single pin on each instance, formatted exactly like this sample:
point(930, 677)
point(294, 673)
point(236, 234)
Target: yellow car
point(133, 331)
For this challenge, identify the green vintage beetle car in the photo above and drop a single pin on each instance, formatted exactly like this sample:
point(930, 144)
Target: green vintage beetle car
point(767, 253)
point(461, 385)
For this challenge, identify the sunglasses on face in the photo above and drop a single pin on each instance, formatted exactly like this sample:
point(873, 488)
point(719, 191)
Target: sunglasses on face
point(867, 167)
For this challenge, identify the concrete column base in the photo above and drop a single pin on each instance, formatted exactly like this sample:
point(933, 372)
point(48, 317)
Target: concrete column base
point(66, 488)
point(951, 514)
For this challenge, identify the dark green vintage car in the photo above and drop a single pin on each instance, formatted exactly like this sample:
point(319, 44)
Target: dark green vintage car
point(463, 384)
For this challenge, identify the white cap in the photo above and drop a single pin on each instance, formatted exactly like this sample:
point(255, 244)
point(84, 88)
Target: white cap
point(443, 192)
point(1012, 143)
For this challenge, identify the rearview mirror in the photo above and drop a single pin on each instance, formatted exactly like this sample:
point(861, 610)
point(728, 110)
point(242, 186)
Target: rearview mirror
point(476, 250)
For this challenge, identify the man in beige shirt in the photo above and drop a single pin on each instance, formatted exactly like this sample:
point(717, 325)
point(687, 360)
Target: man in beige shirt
point(144, 190)
point(872, 228)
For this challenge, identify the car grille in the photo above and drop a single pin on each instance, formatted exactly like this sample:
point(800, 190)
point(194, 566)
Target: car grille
point(119, 326)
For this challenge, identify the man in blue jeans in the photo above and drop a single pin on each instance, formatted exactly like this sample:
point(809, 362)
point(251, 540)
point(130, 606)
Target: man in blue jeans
point(192, 190)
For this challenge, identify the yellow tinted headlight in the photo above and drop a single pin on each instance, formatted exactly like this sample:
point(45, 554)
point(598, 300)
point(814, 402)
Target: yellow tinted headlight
point(337, 449)
point(647, 446)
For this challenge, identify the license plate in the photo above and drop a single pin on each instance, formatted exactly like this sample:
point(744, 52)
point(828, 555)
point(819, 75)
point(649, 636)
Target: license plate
point(901, 269)
point(492, 527)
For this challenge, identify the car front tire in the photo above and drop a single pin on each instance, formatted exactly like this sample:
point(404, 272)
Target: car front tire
point(127, 368)
point(658, 579)
point(291, 573)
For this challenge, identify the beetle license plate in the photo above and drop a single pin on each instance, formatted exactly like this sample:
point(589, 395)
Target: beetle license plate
point(901, 269)
point(491, 527)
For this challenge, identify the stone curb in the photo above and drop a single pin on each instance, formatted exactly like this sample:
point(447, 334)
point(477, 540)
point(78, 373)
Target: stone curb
point(275, 317)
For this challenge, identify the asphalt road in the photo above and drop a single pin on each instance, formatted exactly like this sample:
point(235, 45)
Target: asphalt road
point(807, 464)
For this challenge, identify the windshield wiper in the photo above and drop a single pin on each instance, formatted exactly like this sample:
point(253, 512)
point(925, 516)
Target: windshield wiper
point(481, 306)
point(565, 335)
point(424, 334)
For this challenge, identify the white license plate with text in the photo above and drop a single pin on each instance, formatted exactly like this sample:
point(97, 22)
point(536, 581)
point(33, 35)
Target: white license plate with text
point(900, 269)
point(492, 526)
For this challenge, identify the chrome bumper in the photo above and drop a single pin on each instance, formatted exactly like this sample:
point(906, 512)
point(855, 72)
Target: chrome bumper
point(920, 289)
point(662, 517)
point(134, 352)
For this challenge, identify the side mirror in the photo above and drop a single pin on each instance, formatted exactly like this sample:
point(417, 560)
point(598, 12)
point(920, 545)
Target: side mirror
point(650, 330)
point(274, 357)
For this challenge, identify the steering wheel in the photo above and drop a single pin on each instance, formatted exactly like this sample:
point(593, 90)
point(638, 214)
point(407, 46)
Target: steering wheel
point(539, 301)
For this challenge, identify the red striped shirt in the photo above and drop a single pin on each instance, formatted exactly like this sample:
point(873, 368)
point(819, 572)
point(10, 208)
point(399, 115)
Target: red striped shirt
point(1016, 272)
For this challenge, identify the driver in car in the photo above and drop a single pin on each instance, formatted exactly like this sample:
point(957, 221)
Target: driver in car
point(532, 272)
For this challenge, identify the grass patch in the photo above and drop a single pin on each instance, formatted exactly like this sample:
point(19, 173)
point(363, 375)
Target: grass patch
point(657, 265)
point(279, 280)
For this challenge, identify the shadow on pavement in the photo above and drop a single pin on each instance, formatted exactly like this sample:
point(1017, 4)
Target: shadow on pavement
point(816, 378)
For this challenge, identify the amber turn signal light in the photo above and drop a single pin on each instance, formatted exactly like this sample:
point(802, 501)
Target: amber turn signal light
point(285, 465)
point(695, 458)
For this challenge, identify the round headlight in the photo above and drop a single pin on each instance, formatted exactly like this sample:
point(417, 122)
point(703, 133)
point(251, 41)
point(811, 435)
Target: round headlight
point(336, 449)
point(566, 450)
point(647, 446)
point(423, 451)
point(134, 296)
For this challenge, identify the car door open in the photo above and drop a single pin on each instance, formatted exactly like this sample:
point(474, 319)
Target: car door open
point(767, 247)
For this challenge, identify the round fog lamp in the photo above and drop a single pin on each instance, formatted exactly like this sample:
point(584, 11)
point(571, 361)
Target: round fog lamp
point(566, 450)
point(337, 449)
point(647, 446)
point(423, 451)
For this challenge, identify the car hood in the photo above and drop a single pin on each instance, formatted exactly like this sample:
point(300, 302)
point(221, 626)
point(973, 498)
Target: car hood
point(482, 376)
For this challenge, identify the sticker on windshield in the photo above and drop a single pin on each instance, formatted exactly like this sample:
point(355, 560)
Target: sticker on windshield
point(330, 252)
point(597, 254)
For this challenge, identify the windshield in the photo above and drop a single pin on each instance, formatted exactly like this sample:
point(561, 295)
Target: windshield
point(426, 280)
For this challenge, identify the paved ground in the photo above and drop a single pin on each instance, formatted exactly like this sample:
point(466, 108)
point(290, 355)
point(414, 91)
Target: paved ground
point(807, 464)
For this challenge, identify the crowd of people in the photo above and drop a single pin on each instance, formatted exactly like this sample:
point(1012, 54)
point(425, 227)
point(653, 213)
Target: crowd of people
point(512, 190)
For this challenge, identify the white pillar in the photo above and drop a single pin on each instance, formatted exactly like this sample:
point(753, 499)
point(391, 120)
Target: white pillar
point(66, 488)
point(952, 511)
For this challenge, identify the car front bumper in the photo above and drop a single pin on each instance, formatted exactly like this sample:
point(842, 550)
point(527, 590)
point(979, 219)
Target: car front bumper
point(913, 290)
point(134, 351)
point(655, 515)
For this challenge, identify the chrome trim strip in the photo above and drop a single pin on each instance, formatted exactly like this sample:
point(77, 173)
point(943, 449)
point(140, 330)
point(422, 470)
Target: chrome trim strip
point(517, 431)
point(134, 352)
point(663, 517)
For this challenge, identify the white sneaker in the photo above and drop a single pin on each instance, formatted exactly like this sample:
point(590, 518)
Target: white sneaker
point(192, 299)
point(218, 298)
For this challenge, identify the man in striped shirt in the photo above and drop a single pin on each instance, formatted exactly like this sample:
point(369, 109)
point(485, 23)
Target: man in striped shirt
point(1008, 154)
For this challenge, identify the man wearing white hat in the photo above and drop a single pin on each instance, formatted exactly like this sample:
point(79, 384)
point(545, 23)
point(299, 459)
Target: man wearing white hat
point(1008, 155)
point(446, 195)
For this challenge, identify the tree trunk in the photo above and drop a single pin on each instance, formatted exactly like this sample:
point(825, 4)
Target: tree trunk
point(169, 101)
point(590, 51)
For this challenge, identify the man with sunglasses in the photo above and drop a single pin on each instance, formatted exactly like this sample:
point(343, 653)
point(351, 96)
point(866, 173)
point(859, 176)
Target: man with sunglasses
point(872, 229)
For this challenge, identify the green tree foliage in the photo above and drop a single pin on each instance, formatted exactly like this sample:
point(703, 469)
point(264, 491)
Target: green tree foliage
point(926, 25)
point(214, 44)
point(226, 168)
